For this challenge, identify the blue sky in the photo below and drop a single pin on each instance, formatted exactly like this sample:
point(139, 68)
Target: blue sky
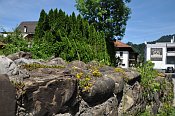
point(150, 19)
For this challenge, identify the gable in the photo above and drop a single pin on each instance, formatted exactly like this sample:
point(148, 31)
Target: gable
point(27, 27)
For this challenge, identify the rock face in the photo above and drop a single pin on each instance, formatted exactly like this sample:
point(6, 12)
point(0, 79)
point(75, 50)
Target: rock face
point(7, 66)
point(132, 101)
point(107, 108)
point(48, 96)
point(7, 97)
point(58, 88)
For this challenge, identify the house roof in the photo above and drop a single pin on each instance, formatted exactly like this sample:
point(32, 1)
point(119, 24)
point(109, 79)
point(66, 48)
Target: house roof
point(30, 25)
point(119, 44)
point(123, 47)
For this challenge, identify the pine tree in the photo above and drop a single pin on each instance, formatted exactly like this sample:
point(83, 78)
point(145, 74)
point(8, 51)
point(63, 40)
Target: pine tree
point(70, 37)
point(42, 26)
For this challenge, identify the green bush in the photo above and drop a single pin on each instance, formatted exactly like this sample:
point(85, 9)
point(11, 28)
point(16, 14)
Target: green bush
point(14, 43)
point(150, 86)
point(148, 75)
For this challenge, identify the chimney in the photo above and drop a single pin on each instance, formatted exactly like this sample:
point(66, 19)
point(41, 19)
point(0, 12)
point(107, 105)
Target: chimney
point(145, 42)
point(172, 40)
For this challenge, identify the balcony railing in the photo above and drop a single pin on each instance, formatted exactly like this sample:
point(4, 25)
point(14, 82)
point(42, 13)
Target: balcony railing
point(171, 53)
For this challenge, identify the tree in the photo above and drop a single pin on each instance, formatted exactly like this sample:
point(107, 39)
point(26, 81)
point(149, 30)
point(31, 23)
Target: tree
point(109, 16)
point(68, 36)
point(43, 25)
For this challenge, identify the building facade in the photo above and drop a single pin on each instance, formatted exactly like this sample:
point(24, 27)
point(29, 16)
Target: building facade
point(27, 29)
point(125, 55)
point(161, 54)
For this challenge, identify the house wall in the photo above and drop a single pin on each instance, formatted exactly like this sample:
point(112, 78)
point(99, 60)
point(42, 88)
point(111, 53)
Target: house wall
point(158, 64)
point(124, 58)
point(4, 34)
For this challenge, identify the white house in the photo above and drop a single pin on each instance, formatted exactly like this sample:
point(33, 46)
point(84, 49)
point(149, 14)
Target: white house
point(5, 34)
point(161, 54)
point(125, 55)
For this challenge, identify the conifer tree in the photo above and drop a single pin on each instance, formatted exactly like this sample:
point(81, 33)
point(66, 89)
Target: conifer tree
point(70, 37)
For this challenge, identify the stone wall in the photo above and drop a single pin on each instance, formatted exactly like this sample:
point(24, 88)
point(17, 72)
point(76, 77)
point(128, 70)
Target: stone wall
point(75, 89)
point(7, 97)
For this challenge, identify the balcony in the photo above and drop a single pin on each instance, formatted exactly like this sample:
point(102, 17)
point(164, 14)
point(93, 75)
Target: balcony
point(171, 53)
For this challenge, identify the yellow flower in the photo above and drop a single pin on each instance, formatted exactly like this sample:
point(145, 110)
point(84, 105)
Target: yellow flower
point(79, 75)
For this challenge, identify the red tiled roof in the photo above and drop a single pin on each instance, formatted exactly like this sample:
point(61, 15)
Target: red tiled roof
point(119, 44)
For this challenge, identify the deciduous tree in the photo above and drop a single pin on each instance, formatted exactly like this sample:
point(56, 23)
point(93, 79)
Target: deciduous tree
point(109, 16)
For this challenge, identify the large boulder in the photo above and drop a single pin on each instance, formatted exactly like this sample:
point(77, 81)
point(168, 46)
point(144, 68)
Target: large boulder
point(7, 66)
point(100, 91)
point(49, 96)
point(20, 54)
point(7, 97)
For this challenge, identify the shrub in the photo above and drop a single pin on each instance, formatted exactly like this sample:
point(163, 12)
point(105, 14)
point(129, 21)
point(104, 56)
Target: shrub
point(148, 75)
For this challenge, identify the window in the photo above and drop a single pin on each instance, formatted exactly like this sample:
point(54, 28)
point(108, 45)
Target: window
point(121, 54)
point(170, 60)
point(156, 54)
point(25, 29)
point(171, 49)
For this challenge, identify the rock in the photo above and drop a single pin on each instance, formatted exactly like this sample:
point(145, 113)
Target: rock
point(20, 54)
point(53, 91)
point(107, 108)
point(100, 91)
point(156, 104)
point(78, 64)
point(7, 97)
point(92, 64)
point(119, 81)
point(50, 96)
point(132, 76)
point(132, 98)
point(23, 73)
point(66, 114)
point(23, 61)
point(7, 66)
point(57, 62)
point(106, 69)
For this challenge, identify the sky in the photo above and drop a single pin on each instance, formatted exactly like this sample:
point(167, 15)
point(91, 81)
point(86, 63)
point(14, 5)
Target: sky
point(149, 20)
